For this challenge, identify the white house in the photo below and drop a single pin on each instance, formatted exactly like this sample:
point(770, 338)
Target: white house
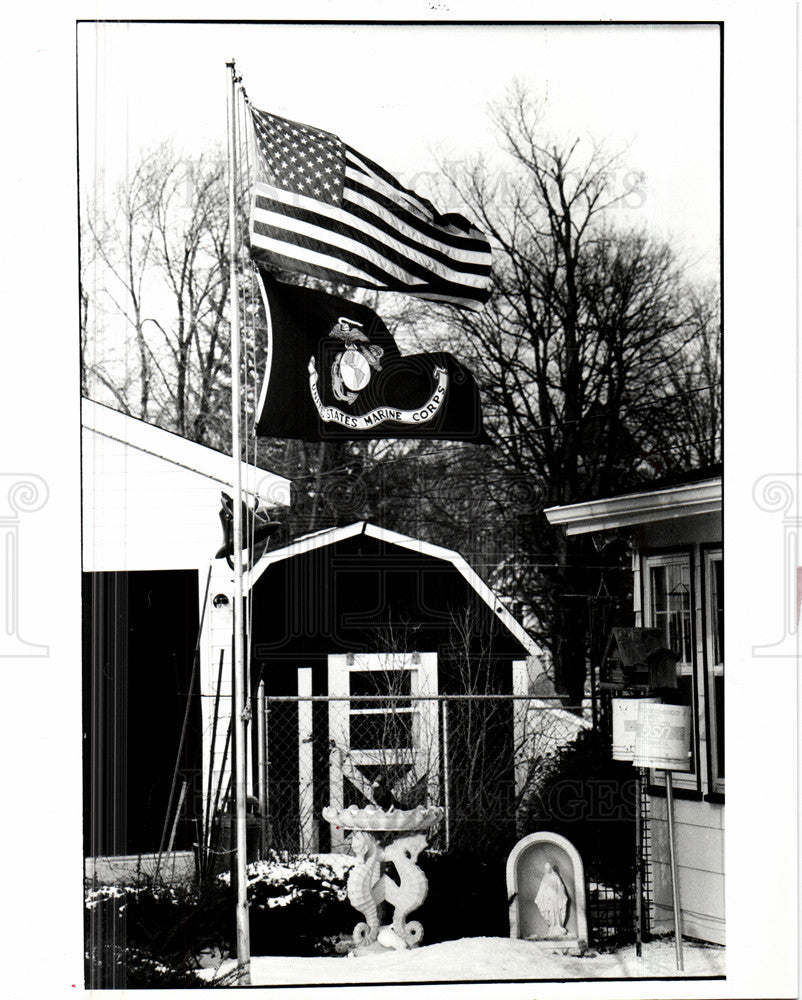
point(150, 498)
point(677, 566)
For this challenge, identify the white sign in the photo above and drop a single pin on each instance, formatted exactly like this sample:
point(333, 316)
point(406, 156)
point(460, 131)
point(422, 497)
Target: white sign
point(625, 725)
point(663, 737)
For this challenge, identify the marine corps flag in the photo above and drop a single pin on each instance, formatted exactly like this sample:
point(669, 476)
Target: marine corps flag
point(334, 373)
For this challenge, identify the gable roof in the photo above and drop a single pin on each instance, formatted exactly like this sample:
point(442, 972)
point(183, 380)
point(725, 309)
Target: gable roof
point(179, 451)
point(331, 536)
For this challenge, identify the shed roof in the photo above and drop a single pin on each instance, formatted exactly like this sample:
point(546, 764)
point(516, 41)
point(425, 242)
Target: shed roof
point(332, 536)
point(181, 452)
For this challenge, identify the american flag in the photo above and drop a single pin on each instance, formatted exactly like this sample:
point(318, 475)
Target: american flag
point(323, 209)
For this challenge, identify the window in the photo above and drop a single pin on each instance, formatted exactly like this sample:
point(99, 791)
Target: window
point(668, 606)
point(714, 661)
point(670, 590)
point(383, 727)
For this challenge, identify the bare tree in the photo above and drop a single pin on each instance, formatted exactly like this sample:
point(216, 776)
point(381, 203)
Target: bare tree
point(161, 271)
point(684, 427)
point(118, 242)
point(598, 363)
point(593, 354)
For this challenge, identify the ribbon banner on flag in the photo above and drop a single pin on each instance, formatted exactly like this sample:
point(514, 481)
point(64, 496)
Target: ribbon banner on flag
point(323, 209)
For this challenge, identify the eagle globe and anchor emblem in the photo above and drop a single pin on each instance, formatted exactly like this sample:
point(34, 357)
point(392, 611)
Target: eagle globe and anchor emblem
point(351, 372)
point(351, 368)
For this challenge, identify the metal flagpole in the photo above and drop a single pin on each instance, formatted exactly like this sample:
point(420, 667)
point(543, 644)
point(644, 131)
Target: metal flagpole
point(243, 927)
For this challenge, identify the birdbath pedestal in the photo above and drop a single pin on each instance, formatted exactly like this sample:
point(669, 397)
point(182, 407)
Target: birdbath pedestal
point(379, 837)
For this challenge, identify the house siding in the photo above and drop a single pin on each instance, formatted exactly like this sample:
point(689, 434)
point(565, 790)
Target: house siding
point(699, 825)
point(127, 525)
point(150, 508)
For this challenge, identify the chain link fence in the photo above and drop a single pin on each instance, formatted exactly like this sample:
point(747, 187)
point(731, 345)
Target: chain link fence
point(478, 756)
point(499, 765)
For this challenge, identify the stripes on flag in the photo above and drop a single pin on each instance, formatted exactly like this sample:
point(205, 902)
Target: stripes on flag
point(326, 210)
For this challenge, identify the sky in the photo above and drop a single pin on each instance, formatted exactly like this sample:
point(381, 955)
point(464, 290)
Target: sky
point(408, 95)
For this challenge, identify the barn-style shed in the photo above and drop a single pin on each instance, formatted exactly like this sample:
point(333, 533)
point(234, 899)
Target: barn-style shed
point(365, 644)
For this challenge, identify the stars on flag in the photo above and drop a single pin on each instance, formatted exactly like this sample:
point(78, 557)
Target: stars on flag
point(300, 158)
point(322, 208)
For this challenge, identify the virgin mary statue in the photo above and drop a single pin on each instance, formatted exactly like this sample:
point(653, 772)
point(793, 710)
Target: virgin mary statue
point(552, 901)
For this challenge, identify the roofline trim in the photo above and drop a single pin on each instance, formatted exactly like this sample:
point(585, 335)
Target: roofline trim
point(685, 500)
point(180, 451)
point(303, 545)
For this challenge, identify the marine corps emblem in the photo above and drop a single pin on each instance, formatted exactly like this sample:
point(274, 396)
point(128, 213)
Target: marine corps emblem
point(351, 368)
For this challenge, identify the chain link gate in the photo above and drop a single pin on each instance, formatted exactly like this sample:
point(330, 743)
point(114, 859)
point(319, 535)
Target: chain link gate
point(478, 756)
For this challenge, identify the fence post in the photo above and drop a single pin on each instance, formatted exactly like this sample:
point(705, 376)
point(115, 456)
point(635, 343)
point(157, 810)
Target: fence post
point(446, 777)
point(261, 738)
point(306, 796)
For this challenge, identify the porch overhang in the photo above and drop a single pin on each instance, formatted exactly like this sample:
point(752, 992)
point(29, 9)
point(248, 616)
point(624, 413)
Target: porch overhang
point(665, 504)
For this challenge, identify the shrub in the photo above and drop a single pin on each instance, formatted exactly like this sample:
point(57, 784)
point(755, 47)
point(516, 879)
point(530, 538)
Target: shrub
point(296, 903)
point(150, 934)
point(589, 798)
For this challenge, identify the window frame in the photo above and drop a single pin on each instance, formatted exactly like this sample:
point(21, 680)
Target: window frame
point(709, 553)
point(687, 783)
point(345, 761)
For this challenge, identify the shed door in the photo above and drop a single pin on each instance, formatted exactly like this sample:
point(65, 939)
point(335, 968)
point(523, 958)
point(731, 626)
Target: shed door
point(394, 740)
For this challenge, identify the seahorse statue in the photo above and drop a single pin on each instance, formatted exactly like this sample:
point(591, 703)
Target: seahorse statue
point(410, 891)
point(364, 888)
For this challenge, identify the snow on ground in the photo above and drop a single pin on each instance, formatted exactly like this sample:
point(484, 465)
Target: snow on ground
point(492, 959)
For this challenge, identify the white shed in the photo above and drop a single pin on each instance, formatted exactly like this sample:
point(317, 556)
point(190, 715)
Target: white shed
point(150, 531)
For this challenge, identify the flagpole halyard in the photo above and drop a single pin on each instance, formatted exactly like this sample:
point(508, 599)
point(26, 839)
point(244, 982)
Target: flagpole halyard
point(239, 712)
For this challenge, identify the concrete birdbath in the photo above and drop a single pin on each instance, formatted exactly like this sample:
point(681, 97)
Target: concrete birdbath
point(381, 837)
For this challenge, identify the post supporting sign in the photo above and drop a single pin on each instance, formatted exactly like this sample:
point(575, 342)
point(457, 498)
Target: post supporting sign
point(625, 726)
point(650, 734)
point(672, 851)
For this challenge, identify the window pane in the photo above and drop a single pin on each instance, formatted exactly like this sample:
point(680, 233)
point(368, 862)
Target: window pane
point(659, 588)
point(668, 609)
point(380, 682)
point(381, 731)
point(718, 689)
point(671, 607)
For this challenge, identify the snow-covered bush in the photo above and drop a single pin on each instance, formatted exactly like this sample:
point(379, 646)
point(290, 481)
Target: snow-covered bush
point(149, 933)
point(296, 903)
point(152, 931)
